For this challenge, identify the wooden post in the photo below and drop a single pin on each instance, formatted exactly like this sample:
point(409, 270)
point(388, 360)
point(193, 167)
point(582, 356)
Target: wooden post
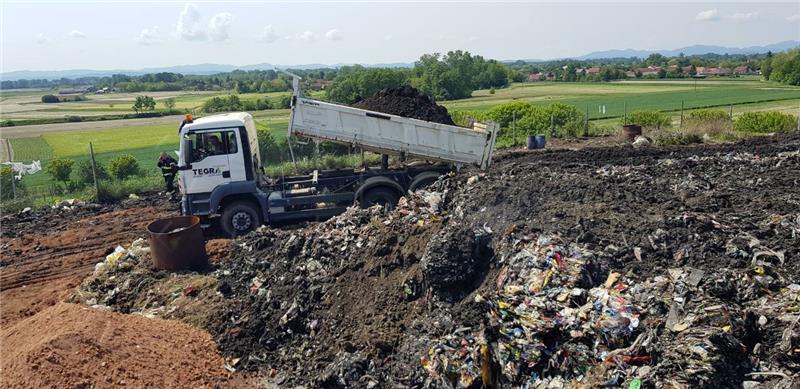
point(681, 126)
point(625, 113)
point(586, 122)
point(514, 127)
point(731, 112)
point(13, 185)
point(94, 173)
point(552, 126)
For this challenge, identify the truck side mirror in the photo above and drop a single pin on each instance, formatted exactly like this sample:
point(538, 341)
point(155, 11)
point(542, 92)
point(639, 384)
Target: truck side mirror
point(186, 151)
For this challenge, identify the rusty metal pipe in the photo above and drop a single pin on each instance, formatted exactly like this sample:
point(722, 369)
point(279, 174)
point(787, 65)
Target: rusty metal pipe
point(177, 243)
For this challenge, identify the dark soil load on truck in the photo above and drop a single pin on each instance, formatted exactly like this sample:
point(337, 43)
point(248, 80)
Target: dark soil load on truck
point(406, 101)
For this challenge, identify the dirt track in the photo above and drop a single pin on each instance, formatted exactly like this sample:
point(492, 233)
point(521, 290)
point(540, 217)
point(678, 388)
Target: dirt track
point(41, 129)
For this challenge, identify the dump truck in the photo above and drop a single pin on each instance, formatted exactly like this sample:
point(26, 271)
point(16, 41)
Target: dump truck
point(221, 178)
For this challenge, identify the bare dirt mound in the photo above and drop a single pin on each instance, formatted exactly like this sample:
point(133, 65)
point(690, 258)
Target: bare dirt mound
point(46, 253)
point(69, 345)
point(406, 101)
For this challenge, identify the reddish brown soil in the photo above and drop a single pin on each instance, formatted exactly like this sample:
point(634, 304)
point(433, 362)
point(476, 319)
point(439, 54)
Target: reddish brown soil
point(41, 266)
point(218, 249)
point(73, 346)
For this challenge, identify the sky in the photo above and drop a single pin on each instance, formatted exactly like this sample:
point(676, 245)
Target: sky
point(137, 34)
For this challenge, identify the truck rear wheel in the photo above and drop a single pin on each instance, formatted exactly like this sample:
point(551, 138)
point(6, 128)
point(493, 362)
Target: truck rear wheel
point(239, 218)
point(380, 196)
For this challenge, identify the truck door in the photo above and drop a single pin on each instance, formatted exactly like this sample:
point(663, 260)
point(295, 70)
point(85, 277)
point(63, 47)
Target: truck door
point(236, 155)
point(210, 160)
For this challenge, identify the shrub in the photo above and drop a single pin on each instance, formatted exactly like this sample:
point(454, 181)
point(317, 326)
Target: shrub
point(84, 172)
point(268, 147)
point(708, 115)
point(60, 169)
point(648, 119)
point(123, 166)
point(464, 118)
point(765, 122)
point(74, 119)
point(7, 188)
point(504, 114)
point(50, 99)
point(557, 119)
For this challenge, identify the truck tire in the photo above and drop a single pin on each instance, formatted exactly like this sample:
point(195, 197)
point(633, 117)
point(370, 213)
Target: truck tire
point(239, 218)
point(422, 180)
point(380, 195)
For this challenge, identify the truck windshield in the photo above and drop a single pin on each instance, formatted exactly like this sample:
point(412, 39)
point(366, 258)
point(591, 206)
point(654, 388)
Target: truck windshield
point(210, 143)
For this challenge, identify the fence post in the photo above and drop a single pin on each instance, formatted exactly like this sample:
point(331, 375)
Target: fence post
point(94, 173)
point(514, 127)
point(625, 113)
point(13, 185)
point(681, 126)
point(586, 123)
point(731, 112)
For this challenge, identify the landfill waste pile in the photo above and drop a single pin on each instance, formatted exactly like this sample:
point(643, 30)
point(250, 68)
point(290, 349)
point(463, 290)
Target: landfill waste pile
point(127, 282)
point(408, 102)
point(607, 267)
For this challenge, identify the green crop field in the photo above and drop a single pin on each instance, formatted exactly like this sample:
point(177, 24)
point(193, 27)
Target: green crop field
point(616, 96)
point(145, 142)
point(29, 149)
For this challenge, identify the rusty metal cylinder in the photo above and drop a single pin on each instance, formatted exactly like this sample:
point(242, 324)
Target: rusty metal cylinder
point(177, 243)
point(631, 131)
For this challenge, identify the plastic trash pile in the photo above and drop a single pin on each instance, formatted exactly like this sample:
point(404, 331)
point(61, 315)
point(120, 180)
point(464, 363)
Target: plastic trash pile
point(546, 321)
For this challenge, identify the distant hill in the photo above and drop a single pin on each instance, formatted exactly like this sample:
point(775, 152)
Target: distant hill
point(200, 69)
point(693, 50)
point(210, 68)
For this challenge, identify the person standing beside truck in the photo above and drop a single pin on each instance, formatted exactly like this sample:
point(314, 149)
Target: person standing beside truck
point(169, 167)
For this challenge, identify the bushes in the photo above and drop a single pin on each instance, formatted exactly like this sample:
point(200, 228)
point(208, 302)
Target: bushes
point(504, 114)
point(123, 166)
point(676, 138)
point(84, 172)
point(764, 122)
point(60, 169)
point(7, 188)
point(708, 115)
point(50, 99)
point(465, 118)
point(648, 119)
point(557, 120)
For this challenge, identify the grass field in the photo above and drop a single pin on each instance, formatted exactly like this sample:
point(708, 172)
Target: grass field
point(146, 141)
point(611, 99)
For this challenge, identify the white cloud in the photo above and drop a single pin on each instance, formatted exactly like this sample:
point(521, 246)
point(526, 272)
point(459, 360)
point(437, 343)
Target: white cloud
point(308, 36)
point(442, 37)
point(149, 36)
point(268, 34)
point(333, 35)
point(711, 14)
point(41, 39)
point(219, 26)
point(743, 17)
point(388, 37)
point(794, 18)
point(77, 34)
point(189, 24)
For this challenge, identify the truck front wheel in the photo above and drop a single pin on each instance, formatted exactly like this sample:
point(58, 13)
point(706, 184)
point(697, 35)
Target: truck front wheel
point(239, 218)
point(380, 196)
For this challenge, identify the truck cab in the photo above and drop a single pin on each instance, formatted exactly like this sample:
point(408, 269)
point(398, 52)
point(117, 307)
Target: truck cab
point(219, 162)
